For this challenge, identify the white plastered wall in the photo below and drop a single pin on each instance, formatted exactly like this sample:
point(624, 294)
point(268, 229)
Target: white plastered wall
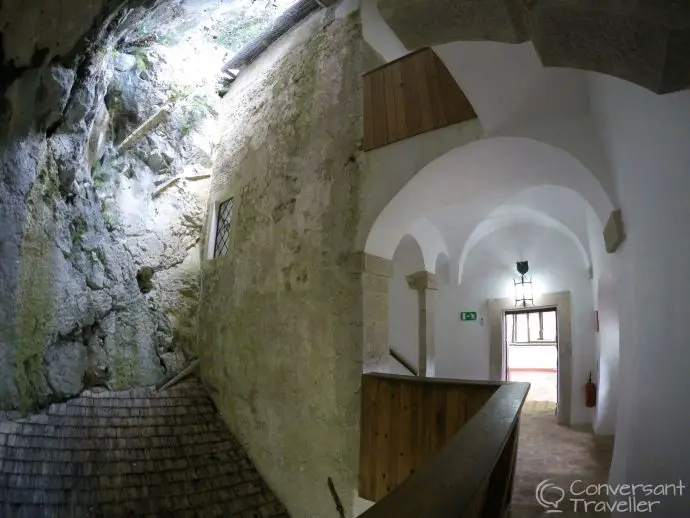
point(403, 312)
point(462, 348)
point(646, 138)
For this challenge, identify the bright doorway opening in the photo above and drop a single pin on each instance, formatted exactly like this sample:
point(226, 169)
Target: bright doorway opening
point(531, 353)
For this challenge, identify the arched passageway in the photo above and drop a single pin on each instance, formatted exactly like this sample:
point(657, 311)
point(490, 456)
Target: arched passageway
point(482, 175)
point(515, 197)
point(513, 213)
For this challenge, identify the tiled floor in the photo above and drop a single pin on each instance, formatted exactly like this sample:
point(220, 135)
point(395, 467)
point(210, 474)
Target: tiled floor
point(559, 454)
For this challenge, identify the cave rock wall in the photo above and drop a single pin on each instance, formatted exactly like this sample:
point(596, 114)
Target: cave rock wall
point(99, 258)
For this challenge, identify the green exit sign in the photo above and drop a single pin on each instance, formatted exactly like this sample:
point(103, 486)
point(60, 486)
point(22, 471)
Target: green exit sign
point(468, 315)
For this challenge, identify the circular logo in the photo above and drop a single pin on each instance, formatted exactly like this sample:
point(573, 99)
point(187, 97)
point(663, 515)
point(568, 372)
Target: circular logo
point(549, 495)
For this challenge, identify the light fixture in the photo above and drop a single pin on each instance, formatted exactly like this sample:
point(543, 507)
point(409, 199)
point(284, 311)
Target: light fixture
point(523, 286)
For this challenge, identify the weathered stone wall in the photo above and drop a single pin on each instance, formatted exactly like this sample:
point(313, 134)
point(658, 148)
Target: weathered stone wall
point(281, 351)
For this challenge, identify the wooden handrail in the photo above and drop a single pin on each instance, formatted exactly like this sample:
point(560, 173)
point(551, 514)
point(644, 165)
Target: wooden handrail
point(439, 381)
point(389, 63)
point(471, 476)
point(402, 361)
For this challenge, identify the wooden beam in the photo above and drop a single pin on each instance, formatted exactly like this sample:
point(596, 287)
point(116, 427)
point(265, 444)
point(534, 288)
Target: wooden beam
point(147, 126)
point(184, 373)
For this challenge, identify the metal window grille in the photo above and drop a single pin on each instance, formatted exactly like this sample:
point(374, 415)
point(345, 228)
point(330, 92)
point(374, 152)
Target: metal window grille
point(223, 229)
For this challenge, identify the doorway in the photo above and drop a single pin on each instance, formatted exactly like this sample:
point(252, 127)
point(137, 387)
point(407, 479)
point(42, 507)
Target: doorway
point(531, 353)
point(497, 309)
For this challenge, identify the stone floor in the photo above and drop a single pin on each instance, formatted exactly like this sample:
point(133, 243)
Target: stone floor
point(559, 454)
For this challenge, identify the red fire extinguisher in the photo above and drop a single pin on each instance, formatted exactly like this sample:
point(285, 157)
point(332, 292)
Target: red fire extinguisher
point(590, 392)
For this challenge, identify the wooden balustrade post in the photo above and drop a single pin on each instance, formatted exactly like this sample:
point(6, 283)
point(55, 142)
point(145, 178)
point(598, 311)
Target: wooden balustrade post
point(373, 274)
point(425, 284)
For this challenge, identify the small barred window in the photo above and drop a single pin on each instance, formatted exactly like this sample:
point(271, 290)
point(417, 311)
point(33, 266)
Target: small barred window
point(222, 242)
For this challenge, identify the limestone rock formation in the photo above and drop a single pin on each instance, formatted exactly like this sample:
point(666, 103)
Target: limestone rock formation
point(153, 191)
point(81, 218)
point(107, 131)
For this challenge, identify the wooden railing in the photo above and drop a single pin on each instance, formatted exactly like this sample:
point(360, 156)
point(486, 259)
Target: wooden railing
point(403, 361)
point(433, 448)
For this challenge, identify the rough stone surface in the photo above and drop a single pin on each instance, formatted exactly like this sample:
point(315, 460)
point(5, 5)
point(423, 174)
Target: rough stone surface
point(647, 43)
point(80, 220)
point(67, 281)
point(125, 62)
point(66, 364)
point(374, 278)
point(449, 20)
point(56, 85)
point(281, 348)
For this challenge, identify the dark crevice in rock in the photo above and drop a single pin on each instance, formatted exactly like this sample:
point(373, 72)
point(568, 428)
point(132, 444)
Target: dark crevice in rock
point(164, 367)
point(83, 72)
point(50, 131)
point(9, 72)
point(145, 279)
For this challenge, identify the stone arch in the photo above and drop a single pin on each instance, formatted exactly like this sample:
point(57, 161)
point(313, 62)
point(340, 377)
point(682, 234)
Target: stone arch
point(592, 43)
point(378, 34)
point(403, 309)
point(508, 215)
point(430, 241)
point(412, 250)
point(485, 173)
point(442, 269)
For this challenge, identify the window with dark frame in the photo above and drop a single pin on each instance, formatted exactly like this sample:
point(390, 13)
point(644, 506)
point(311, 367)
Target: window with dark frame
point(222, 242)
point(531, 327)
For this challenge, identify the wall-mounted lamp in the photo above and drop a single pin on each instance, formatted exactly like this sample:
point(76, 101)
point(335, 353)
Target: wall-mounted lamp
point(523, 286)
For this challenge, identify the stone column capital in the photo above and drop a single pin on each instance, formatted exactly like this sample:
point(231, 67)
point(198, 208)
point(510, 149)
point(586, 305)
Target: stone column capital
point(422, 280)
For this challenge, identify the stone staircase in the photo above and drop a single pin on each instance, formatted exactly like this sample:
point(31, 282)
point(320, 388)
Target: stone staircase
point(133, 453)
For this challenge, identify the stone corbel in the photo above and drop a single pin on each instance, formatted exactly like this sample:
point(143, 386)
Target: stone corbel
point(614, 233)
point(361, 262)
